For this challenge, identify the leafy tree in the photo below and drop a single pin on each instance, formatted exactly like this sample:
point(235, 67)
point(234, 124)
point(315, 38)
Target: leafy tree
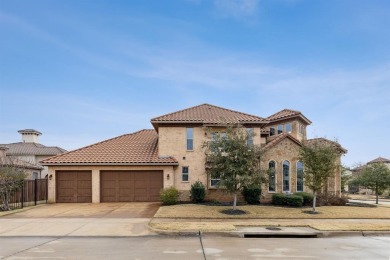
point(345, 177)
point(374, 176)
point(233, 160)
point(11, 179)
point(319, 158)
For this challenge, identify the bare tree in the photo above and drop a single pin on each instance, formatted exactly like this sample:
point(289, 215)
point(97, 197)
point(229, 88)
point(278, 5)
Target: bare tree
point(11, 179)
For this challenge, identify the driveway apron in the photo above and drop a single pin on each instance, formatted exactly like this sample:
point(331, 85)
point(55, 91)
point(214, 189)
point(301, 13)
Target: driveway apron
point(81, 219)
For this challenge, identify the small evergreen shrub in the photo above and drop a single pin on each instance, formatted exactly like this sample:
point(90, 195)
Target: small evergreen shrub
point(294, 201)
point(252, 194)
point(169, 196)
point(198, 192)
point(279, 199)
point(307, 198)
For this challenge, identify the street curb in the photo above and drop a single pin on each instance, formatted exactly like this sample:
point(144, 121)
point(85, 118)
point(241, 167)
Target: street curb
point(232, 233)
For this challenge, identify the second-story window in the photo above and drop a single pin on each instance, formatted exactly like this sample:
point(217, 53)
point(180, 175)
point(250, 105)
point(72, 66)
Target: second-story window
point(271, 131)
point(280, 129)
point(288, 128)
point(184, 174)
point(249, 140)
point(190, 139)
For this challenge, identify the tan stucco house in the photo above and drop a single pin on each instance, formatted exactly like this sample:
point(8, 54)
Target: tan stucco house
point(136, 166)
point(30, 150)
point(32, 170)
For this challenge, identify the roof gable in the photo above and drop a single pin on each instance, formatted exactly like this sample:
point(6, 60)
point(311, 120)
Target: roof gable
point(208, 114)
point(139, 148)
point(280, 138)
point(288, 114)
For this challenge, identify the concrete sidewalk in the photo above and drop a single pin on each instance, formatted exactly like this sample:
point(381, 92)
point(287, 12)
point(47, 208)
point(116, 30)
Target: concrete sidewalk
point(78, 227)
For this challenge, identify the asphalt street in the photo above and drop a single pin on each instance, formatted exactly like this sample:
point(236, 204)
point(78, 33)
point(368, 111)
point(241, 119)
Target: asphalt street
point(176, 247)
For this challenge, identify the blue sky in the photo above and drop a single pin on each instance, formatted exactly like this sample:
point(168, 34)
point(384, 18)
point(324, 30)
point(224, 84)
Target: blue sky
point(84, 71)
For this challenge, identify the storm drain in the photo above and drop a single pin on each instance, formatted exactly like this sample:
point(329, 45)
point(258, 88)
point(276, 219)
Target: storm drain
point(277, 232)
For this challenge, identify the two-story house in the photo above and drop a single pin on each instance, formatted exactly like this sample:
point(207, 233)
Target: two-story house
point(136, 166)
point(31, 151)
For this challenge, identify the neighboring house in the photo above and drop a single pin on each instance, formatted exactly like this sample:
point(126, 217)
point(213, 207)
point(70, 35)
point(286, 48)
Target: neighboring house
point(32, 170)
point(357, 170)
point(31, 151)
point(136, 166)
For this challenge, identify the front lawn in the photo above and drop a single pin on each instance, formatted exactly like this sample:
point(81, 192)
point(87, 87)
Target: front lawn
point(272, 212)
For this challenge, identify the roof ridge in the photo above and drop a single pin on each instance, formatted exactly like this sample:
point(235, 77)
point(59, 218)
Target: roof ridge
point(181, 110)
point(91, 145)
point(206, 104)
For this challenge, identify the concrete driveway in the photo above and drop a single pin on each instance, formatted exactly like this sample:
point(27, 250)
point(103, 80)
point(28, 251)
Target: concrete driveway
point(80, 219)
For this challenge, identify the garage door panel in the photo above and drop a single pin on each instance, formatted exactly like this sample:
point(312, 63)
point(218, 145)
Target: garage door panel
point(131, 185)
point(74, 186)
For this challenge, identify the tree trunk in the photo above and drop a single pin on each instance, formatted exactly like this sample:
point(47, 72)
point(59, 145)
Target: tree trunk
point(377, 195)
point(235, 201)
point(314, 201)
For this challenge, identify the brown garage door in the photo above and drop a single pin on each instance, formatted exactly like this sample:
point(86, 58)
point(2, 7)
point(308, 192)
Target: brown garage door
point(74, 186)
point(127, 186)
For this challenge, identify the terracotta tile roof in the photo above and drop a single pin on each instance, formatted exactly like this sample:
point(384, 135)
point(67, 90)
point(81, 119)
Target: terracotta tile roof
point(279, 138)
point(315, 140)
point(32, 149)
point(287, 114)
point(379, 160)
point(13, 161)
point(139, 148)
point(208, 114)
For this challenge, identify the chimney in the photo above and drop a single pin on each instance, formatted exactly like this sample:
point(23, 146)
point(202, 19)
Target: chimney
point(30, 135)
point(3, 151)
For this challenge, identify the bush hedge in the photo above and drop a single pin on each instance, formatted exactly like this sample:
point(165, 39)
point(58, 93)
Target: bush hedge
point(252, 194)
point(307, 198)
point(281, 199)
point(294, 201)
point(169, 196)
point(198, 192)
point(325, 199)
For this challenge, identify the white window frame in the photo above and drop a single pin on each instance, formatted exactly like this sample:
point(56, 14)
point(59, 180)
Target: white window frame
point(190, 139)
point(303, 183)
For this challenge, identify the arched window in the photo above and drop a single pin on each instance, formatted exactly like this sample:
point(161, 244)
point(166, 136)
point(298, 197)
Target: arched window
point(271, 176)
point(299, 176)
point(286, 176)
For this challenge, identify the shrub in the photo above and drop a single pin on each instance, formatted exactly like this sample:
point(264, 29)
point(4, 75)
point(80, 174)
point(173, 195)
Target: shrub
point(198, 192)
point(252, 194)
point(325, 199)
point(169, 196)
point(294, 201)
point(278, 199)
point(307, 198)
